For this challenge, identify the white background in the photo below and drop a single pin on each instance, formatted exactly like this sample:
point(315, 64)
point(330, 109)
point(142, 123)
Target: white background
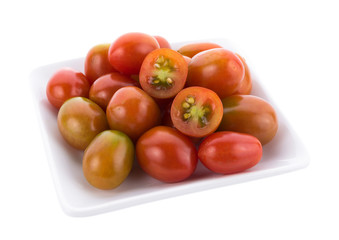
point(293, 46)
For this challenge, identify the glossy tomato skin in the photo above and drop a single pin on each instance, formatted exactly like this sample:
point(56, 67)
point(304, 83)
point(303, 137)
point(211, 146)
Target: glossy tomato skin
point(192, 49)
point(96, 62)
point(166, 154)
point(108, 159)
point(249, 114)
point(105, 86)
point(245, 86)
point(65, 84)
point(217, 69)
point(127, 53)
point(132, 111)
point(80, 120)
point(163, 43)
point(163, 73)
point(230, 152)
point(196, 111)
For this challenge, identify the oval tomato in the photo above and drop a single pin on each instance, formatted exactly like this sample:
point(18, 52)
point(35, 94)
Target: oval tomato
point(65, 84)
point(80, 120)
point(217, 69)
point(163, 73)
point(132, 111)
point(163, 43)
point(166, 154)
point(127, 53)
point(191, 49)
point(245, 86)
point(96, 62)
point(108, 159)
point(105, 86)
point(249, 114)
point(196, 111)
point(230, 152)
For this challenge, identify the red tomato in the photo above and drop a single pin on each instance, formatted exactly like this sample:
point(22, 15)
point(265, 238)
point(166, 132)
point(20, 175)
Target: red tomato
point(132, 111)
point(229, 152)
point(187, 59)
point(249, 114)
point(245, 86)
point(163, 73)
point(64, 84)
point(217, 69)
point(96, 62)
point(196, 111)
point(80, 120)
point(166, 154)
point(127, 53)
point(192, 49)
point(105, 86)
point(163, 43)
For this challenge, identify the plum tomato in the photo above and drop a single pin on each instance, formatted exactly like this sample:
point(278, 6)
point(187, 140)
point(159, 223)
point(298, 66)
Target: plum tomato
point(249, 114)
point(217, 69)
point(192, 49)
point(105, 86)
point(166, 154)
point(108, 159)
point(163, 43)
point(64, 84)
point(245, 86)
point(196, 111)
point(229, 152)
point(80, 120)
point(127, 52)
point(163, 73)
point(96, 62)
point(132, 111)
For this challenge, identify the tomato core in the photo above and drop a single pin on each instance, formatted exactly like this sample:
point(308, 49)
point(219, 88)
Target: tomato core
point(195, 112)
point(163, 74)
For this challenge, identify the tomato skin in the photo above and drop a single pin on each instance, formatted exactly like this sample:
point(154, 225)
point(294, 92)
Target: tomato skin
point(176, 69)
point(127, 53)
point(163, 43)
point(187, 59)
point(245, 86)
point(96, 62)
point(249, 114)
point(192, 49)
point(217, 69)
point(105, 86)
point(166, 154)
point(230, 152)
point(80, 120)
point(132, 111)
point(108, 159)
point(203, 98)
point(65, 84)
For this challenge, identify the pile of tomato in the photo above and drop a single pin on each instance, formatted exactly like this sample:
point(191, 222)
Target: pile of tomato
point(168, 108)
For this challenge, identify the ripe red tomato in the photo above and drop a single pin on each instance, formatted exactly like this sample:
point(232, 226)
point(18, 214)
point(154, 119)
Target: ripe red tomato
point(64, 84)
point(249, 114)
point(127, 53)
point(217, 69)
point(196, 111)
point(80, 120)
point(163, 43)
point(192, 49)
point(166, 154)
point(108, 159)
point(187, 59)
point(245, 86)
point(163, 73)
point(229, 152)
point(105, 86)
point(132, 111)
point(96, 62)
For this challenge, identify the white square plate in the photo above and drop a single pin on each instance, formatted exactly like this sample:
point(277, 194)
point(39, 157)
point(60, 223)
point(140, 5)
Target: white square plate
point(283, 154)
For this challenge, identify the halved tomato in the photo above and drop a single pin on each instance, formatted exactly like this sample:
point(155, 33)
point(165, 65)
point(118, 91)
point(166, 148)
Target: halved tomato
point(163, 73)
point(196, 111)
